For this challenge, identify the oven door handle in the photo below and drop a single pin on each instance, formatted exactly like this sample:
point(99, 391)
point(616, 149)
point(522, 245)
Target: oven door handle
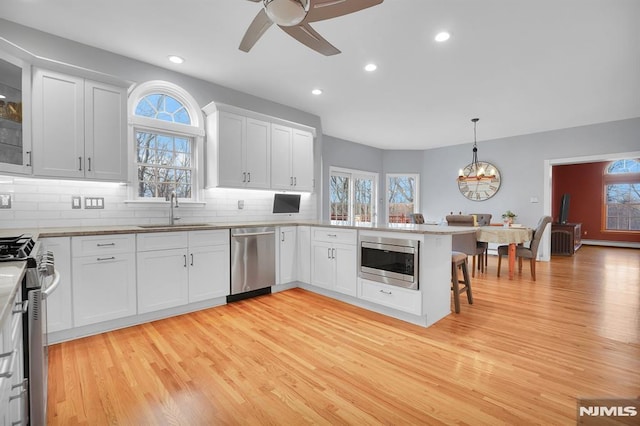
point(54, 284)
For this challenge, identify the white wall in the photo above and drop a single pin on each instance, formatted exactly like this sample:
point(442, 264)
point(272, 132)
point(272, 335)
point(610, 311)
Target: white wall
point(47, 203)
point(520, 159)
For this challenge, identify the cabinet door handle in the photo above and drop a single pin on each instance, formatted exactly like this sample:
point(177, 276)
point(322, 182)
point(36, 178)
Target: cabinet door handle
point(291, 181)
point(79, 164)
point(385, 292)
point(282, 233)
point(295, 181)
point(105, 244)
point(89, 169)
point(191, 259)
point(100, 259)
point(248, 176)
point(333, 253)
point(185, 260)
point(29, 162)
point(328, 253)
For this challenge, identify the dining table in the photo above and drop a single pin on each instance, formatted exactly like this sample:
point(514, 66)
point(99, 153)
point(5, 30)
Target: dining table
point(511, 235)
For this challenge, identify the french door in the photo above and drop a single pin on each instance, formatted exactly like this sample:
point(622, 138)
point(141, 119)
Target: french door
point(352, 196)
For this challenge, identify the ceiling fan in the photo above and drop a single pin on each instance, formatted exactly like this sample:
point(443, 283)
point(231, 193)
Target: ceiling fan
point(294, 16)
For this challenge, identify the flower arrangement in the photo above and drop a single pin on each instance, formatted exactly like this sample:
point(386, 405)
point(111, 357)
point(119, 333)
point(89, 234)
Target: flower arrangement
point(508, 217)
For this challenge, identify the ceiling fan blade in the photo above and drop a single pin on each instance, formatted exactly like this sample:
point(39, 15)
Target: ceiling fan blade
point(259, 25)
point(320, 10)
point(310, 38)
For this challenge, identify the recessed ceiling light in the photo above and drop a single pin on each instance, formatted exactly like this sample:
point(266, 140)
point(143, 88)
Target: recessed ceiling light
point(370, 67)
point(176, 59)
point(317, 91)
point(2, 97)
point(442, 36)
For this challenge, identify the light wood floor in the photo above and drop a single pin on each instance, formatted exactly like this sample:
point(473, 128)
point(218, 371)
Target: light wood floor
point(521, 354)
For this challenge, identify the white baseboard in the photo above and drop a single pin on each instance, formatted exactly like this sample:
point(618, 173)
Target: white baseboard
point(626, 244)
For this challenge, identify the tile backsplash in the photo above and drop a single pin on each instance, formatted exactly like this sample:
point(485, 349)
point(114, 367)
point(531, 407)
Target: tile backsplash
point(48, 203)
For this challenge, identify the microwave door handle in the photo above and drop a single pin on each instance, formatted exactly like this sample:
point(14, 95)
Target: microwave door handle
point(52, 287)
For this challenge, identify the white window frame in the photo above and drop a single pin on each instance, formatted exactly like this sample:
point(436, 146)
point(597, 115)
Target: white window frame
point(416, 202)
point(352, 175)
point(195, 131)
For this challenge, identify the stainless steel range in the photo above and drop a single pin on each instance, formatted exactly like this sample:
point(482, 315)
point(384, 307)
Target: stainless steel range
point(41, 279)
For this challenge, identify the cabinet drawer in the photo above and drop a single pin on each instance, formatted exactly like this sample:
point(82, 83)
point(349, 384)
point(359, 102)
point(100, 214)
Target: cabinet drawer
point(331, 235)
point(208, 238)
point(394, 297)
point(102, 245)
point(162, 241)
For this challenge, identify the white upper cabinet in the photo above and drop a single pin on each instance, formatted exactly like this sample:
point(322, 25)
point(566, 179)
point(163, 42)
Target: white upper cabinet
point(79, 128)
point(250, 150)
point(243, 152)
point(291, 159)
point(15, 115)
point(302, 160)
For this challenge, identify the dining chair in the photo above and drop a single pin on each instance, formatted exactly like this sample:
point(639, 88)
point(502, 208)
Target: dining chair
point(530, 252)
point(483, 219)
point(467, 243)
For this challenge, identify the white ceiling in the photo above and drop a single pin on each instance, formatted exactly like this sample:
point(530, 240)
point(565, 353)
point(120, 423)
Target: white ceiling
point(522, 66)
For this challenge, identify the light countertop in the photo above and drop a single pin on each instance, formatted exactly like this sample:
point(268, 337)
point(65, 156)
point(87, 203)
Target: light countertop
point(11, 273)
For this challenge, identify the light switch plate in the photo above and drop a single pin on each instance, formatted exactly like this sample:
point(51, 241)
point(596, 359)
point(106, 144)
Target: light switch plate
point(76, 202)
point(5, 201)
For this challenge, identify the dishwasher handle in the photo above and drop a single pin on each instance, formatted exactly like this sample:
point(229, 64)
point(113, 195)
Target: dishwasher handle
point(253, 234)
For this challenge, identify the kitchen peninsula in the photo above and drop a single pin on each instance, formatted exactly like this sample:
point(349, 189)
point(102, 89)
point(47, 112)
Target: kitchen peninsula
point(320, 256)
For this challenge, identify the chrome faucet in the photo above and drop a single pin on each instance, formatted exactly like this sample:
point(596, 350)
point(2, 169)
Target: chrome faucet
point(170, 197)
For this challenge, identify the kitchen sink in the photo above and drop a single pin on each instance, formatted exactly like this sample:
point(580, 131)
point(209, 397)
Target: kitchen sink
point(175, 225)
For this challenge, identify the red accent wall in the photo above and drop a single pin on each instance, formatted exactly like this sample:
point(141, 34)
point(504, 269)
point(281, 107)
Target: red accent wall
point(585, 183)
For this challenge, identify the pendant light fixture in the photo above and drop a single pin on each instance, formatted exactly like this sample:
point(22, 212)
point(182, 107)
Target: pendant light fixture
point(475, 171)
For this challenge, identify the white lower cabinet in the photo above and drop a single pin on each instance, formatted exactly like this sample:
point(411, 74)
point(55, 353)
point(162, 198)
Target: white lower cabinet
point(287, 242)
point(209, 270)
point(163, 278)
point(176, 268)
point(104, 278)
point(333, 260)
point(59, 303)
point(13, 392)
point(392, 296)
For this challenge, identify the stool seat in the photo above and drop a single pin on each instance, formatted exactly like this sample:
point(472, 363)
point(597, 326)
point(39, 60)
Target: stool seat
point(457, 257)
point(459, 260)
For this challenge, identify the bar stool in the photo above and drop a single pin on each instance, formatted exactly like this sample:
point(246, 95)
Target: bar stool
point(459, 260)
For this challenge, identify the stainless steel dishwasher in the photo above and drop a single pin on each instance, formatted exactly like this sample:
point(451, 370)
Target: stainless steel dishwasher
point(253, 262)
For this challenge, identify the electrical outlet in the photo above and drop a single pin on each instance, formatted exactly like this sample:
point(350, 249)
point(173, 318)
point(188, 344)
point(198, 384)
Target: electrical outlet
point(5, 201)
point(94, 202)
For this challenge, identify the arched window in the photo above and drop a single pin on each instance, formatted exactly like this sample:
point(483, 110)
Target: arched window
point(622, 195)
point(167, 141)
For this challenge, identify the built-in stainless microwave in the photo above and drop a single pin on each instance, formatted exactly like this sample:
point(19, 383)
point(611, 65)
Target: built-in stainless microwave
point(390, 261)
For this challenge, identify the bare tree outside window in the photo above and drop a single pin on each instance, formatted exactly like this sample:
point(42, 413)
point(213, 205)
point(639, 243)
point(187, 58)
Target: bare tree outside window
point(339, 198)
point(165, 161)
point(622, 195)
point(352, 195)
point(401, 197)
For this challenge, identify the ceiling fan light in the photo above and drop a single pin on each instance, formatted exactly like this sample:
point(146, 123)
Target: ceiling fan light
point(286, 13)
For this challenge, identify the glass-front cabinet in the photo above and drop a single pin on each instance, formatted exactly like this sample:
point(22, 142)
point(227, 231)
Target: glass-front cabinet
point(15, 117)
